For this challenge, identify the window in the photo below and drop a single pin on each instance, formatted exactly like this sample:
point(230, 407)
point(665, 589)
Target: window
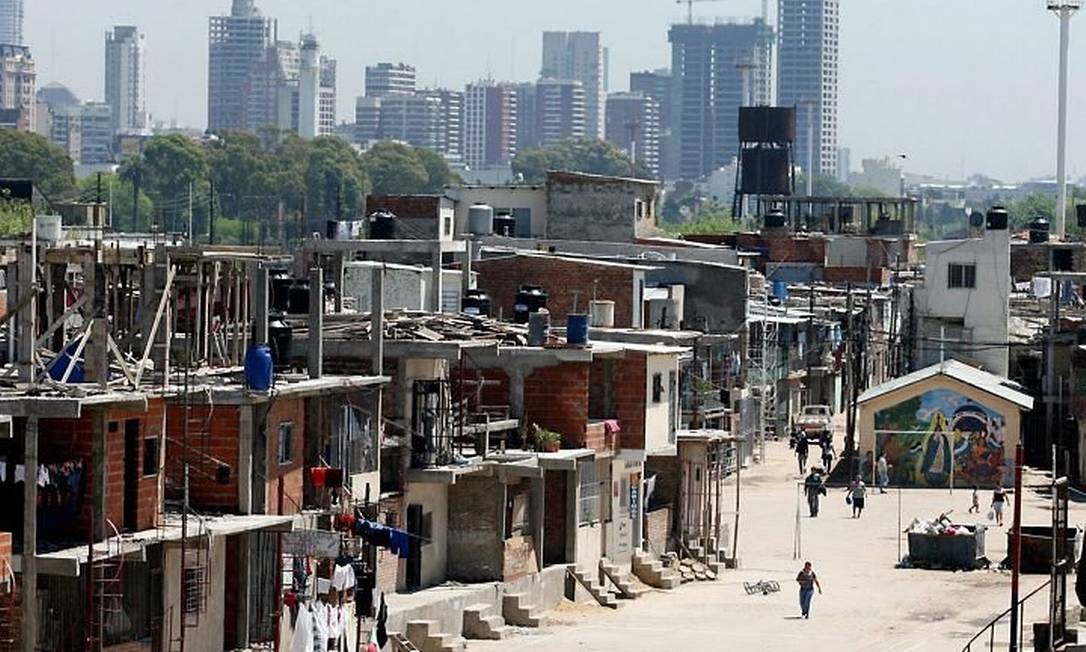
point(286, 443)
point(588, 508)
point(657, 387)
point(194, 589)
point(961, 276)
point(150, 456)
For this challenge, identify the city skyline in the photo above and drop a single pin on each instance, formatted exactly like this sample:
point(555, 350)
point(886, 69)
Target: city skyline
point(969, 110)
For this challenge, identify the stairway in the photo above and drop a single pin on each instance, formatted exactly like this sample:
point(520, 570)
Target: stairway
point(480, 623)
point(519, 612)
point(424, 634)
point(591, 584)
point(628, 588)
point(400, 643)
point(652, 572)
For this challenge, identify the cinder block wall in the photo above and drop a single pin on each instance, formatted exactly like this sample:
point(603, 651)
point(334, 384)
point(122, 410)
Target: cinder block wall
point(556, 398)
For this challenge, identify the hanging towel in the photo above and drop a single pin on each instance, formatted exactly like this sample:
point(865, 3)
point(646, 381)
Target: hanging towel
point(400, 543)
point(343, 578)
point(303, 632)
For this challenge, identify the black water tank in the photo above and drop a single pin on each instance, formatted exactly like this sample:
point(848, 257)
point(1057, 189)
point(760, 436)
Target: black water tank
point(997, 218)
point(476, 302)
point(279, 281)
point(1038, 231)
point(1080, 213)
point(382, 226)
point(775, 219)
point(530, 298)
point(280, 339)
point(976, 219)
point(298, 297)
point(505, 225)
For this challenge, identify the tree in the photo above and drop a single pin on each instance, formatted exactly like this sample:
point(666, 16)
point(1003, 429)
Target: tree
point(395, 169)
point(118, 192)
point(825, 185)
point(335, 180)
point(28, 155)
point(1028, 209)
point(588, 155)
point(171, 165)
point(713, 219)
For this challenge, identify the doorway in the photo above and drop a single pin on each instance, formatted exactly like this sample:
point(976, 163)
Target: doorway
point(414, 554)
point(131, 473)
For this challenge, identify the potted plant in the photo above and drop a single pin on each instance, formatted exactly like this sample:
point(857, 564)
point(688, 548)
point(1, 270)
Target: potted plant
point(549, 440)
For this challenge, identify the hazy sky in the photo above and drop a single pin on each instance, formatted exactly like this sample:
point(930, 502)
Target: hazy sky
point(954, 84)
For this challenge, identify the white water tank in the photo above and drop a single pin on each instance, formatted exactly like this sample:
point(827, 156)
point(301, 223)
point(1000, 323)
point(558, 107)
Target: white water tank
point(49, 228)
point(480, 219)
point(603, 313)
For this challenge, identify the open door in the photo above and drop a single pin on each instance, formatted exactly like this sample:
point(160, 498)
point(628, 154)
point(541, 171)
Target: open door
point(414, 556)
point(131, 473)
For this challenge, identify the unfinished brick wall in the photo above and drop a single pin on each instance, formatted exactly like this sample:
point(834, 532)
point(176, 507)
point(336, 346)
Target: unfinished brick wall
point(285, 410)
point(388, 564)
point(563, 279)
point(556, 398)
point(475, 539)
point(63, 440)
point(860, 275)
point(213, 434)
point(630, 396)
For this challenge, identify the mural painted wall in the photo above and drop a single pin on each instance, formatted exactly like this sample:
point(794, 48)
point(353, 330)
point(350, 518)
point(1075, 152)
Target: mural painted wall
point(924, 436)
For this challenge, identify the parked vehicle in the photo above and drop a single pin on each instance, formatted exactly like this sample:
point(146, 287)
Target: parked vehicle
point(815, 420)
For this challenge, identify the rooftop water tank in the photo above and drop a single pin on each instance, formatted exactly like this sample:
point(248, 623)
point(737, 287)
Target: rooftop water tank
point(603, 313)
point(997, 218)
point(530, 299)
point(382, 226)
point(505, 225)
point(480, 219)
point(775, 219)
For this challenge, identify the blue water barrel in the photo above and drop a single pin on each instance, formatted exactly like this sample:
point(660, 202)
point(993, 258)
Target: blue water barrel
point(577, 329)
point(780, 290)
point(258, 367)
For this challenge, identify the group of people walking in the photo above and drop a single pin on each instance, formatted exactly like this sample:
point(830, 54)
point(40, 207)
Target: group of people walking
point(798, 440)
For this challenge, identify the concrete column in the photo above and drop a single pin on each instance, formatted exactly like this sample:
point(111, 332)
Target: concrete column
point(30, 538)
point(57, 274)
point(337, 280)
point(538, 507)
point(260, 305)
point(465, 270)
point(435, 281)
point(516, 392)
point(99, 453)
point(377, 321)
point(26, 317)
point(243, 547)
point(316, 322)
point(97, 352)
point(245, 460)
point(573, 502)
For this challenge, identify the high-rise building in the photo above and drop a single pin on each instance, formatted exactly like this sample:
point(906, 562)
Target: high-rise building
point(278, 67)
point(326, 123)
point(450, 122)
point(490, 124)
point(18, 80)
point(96, 134)
point(527, 134)
point(708, 88)
point(657, 85)
point(126, 79)
point(386, 79)
point(633, 125)
point(807, 75)
point(11, 22)
point(560, 112)
point(57, 102)
point(367, 120)
point(844, 164)
point(237, 44)
point(411, 119)
point(579, 56)
point(309, 84)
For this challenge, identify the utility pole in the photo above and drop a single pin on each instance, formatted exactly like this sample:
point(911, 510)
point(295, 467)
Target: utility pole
point(211, 214)
point(1064, 9)
point(850, 377)
point(190, 214)
point(810, 344)
point(810, 104)
point(1016, 545)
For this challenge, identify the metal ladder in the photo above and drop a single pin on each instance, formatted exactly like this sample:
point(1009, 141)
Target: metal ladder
point(107, 574)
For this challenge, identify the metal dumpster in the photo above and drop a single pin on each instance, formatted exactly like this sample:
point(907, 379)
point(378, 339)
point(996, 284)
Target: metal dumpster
point(951, 552)
point(1037, 549)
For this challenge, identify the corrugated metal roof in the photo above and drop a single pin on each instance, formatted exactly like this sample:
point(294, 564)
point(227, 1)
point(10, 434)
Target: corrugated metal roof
point(982, 380)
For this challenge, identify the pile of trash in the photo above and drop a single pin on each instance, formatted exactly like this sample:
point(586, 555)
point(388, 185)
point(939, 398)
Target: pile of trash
point(940, 526)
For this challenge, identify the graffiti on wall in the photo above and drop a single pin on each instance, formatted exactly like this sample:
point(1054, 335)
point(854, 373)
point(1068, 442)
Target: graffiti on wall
point(930, 438)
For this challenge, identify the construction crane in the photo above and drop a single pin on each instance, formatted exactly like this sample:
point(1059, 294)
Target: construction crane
point(690, 9)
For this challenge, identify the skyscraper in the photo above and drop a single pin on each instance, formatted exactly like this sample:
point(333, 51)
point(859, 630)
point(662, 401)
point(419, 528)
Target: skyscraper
point(309, 85)
point(579, 56)
point(807, 75)
point(633, 125)
point(708, 88)
point(386, 79)
point(18, 82)
point(450, 121)
point(126, 79)
point(236, 46)
point(490, 124)
point(11, 22)
point(560, 112)
point(279, 66)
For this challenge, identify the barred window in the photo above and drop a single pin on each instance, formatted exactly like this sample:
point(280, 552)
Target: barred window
point(589, 503)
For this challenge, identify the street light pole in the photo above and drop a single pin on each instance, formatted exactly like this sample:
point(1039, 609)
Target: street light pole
point(810, 104)
point(1064, 9)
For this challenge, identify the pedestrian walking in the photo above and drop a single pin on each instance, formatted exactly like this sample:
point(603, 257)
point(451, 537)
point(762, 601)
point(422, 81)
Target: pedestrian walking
point(999, 501)
point(827, 452)
point(882, 472)
point(975, 507)
point(815, 488)
point(801, 453)
point(807, 580)
point(857, 494)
